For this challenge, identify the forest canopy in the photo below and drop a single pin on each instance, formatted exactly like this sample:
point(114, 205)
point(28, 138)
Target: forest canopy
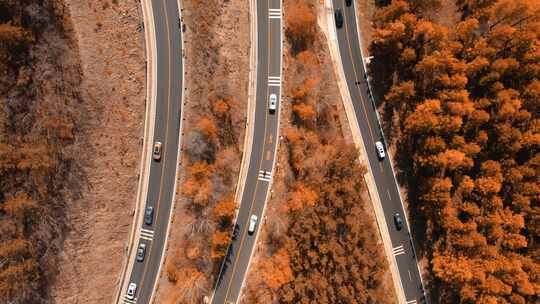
point(462, 107)
point(35, 132)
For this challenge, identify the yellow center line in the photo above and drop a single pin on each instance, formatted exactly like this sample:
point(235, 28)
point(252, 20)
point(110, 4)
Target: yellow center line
point(356, 76)
point(156, 213)
point(261, 157)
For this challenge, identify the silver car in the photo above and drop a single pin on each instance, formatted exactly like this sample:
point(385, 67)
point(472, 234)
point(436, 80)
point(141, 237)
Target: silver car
point(141, 251)
point(252, 223)
point(272, 103)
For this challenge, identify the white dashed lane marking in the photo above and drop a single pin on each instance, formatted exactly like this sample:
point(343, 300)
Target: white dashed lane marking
point(274, 13)
point(265, 175)
point(274, 81)
point(147, 234)
point(398, 250)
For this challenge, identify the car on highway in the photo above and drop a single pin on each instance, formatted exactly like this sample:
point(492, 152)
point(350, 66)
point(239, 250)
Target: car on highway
point(348, 2)
point(149, 215)
point(339, 18)
point(398, 221)
point(132, 289)
point(252, 223)
point(141, 251)
point(272, 103)
point(156, 151)
point(236, 230)
point(380, 150)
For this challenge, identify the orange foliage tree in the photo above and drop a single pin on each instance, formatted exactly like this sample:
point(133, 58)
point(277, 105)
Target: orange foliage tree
point(464, 103)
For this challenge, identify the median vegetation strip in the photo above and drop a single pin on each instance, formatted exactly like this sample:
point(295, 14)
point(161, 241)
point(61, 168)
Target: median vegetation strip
point(461, 108)
point(217, 42)
point(319, 242)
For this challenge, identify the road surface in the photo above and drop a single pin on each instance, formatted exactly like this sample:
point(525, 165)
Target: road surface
point(351, 58)
point(265, 139)
point(167, 128)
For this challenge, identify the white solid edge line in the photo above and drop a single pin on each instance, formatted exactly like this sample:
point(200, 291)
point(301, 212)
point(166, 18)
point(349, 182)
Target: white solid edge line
point(253, 55)
point(151, 96)
point(391, 258)
point(249, 129)
point(390, 160)
point(273, 161)
point(178, 150)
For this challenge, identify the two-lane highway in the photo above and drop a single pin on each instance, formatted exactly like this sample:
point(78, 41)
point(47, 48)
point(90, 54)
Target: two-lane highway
point(265, 139)
point(169, 86)
point(355, 74)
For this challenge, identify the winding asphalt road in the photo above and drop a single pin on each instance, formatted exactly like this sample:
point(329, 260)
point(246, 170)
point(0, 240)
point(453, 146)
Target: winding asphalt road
point(403, 248)
point(167, 128)
point(264, 145)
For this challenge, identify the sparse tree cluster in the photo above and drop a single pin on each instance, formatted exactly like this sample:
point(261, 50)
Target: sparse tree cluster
point(462, 106)
point(328, 251)
point(35, 167)
point(212, 155)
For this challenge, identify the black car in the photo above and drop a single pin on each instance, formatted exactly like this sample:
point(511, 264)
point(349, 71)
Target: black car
point(348, 2)
point(398, 221)
point(148, 215)
point(339, 18)
point(141, 252)
point(235, 232)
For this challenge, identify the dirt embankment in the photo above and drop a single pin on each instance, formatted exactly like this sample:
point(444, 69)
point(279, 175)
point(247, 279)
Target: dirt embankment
point(107, 36)
point(217, 44)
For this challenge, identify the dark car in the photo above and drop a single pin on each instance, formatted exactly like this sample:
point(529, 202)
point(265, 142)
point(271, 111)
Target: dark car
point(141, 251)
point(148, 215)
point(398, 220)
point(348, 2)
point(235, 232)
point(339, 18)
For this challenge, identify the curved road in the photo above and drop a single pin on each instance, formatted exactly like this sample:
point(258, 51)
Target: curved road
point(167, 128)
point(264, 146)
point(403, 248)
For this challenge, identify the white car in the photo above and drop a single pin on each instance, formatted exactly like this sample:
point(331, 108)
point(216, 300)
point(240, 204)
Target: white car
point(252, 223)
point(272, 103)
point(380, 149)
point(132, 288)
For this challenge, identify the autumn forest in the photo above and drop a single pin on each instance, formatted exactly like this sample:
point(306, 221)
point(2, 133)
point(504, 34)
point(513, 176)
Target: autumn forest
point(37, 131)
point(462, 107)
